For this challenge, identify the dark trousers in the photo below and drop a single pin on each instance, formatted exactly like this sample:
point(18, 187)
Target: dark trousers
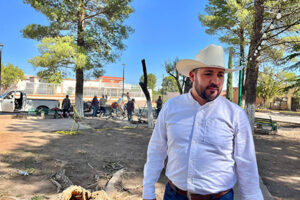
point(95, 109)
point(157, 112)
point(171, 194)
point(64, 112)
point(102, 110)
point(129, 114)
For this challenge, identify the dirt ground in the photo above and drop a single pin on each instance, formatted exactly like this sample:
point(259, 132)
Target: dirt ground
point(278, 158)
point(112, 145)
point(100, 151)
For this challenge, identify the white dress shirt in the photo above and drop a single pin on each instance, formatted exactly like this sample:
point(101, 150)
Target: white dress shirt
point(209, 148)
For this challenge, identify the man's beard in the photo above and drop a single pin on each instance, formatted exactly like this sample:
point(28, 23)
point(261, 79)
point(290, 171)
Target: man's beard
point(208, 97)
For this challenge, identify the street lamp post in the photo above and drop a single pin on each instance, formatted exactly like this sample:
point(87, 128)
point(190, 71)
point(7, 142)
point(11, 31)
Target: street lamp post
point(1, 47)
point(123, 78)
point(240, 81)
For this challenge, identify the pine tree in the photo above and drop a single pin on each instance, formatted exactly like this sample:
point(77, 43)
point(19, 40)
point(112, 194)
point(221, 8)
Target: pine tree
point(96, 27)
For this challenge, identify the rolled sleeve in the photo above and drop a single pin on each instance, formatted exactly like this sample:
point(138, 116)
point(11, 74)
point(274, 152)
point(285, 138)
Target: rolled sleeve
point(245, 158)
point(156, 155)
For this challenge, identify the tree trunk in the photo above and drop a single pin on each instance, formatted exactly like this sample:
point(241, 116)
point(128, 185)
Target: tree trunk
point(252, 71)
point(187, 85)
point(146, 92)
point(178, 83)
point(79, 71)
point(150, 114)
point(229, 92)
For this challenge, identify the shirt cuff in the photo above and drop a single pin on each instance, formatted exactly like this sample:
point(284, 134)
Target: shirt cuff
point(149, 192)
point(257, 196)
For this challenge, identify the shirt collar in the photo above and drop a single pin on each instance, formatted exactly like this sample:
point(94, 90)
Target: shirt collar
point(191, 98)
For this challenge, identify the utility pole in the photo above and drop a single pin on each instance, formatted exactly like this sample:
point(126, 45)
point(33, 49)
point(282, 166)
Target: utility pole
point(162, 88)
point(123, 80)
point(1, 47)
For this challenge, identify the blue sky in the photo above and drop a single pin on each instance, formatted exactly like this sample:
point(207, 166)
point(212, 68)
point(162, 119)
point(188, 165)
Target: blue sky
point(164, 29)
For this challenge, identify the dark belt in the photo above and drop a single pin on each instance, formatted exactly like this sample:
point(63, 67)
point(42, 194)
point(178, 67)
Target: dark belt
point(198, 196)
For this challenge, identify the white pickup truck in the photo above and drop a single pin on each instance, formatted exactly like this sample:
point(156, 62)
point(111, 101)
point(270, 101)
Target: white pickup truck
point(16, 101)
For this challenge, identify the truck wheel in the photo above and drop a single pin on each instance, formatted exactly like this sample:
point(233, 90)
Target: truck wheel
point(40, 108)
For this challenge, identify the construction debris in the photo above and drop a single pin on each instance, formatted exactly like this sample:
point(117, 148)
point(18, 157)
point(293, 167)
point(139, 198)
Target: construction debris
point(61, 181)
point(112, 166)
point(110, 186)
point(75, 192)
point(116, 178)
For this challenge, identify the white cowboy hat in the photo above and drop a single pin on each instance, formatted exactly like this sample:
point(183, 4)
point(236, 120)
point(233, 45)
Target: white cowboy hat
point(210, 56)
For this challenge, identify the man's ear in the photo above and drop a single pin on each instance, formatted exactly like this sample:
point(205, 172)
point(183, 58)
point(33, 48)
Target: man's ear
point(192, 75)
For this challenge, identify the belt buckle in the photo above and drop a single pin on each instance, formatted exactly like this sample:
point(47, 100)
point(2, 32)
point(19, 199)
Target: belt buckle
point(189, 196)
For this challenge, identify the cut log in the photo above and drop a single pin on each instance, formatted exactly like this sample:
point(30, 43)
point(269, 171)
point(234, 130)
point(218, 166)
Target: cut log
point(110, 187)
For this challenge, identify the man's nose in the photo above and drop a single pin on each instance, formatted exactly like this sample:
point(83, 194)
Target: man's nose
point(216, 80)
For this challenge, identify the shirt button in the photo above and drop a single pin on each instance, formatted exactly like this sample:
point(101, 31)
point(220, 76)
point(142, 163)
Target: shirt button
point(190, 180)
point(191, 161)
point(194, 141)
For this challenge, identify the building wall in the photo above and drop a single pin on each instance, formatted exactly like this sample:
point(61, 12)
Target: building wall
point(104, 85)
point(235, 94)
point(281, 102)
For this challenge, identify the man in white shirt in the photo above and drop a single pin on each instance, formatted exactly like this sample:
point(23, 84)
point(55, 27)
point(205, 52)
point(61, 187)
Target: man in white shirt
point(207, 139)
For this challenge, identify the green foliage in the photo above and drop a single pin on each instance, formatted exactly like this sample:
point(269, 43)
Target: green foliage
point(38, 197)
point(292, 82)
point(151, 80)
point(10, 75)
point(229, 91)
point(38, 31)
point(293, 57)
point(232, 22)
point(51, 76)
point(170, 67)
point(169, 85)
point(280, 35)
point(58, 53)
point(229, 19)
point(269, 84)
point(156, 94)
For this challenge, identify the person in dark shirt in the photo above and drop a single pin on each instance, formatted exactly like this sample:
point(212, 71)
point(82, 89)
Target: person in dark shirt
point(66, 104)
point(95, 104)
point(130, 109)
point(158, 105)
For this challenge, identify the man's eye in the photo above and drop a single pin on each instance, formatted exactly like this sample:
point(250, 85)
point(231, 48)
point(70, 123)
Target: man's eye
point(221, 75)
point(208, 74)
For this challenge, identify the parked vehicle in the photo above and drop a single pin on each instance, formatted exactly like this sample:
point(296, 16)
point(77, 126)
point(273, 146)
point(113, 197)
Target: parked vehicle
point(87, 107)
point(16, 101)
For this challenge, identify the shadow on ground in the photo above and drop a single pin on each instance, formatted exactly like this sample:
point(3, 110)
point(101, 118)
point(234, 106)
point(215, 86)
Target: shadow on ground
point(44, 153)
point(278, 159)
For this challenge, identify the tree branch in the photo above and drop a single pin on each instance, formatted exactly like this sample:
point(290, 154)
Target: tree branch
point(144, 84)
point(279, 43)
point(94, 15)
point(272, 36)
